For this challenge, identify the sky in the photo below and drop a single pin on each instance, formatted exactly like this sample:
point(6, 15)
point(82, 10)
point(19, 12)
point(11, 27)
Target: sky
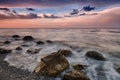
point(59, 13)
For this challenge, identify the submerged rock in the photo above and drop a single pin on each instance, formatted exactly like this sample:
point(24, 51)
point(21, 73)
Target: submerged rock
point(95, 55)
point(7, 42)
point(75, 75)
point(18, 48)
point(79, 67)
point(52, 65)
point(117, 67)
point(28, 38)
point(40, 42)
point(33, 51)
point(4, 51)
point(49, 41)
point(15, 36)
point(65, 52)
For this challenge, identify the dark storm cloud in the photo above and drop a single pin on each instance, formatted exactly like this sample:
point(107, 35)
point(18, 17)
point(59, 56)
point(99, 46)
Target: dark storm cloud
point(30, 9)
point(5, 9)
point(57, 2)
point(88, 8)
point(75, 11)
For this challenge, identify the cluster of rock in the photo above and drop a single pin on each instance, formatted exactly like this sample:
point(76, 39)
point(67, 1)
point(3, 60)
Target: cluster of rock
point(55, 63)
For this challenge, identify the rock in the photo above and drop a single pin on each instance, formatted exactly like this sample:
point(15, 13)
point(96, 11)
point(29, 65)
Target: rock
point(40, 42)
point(15, 36)
point(28, 38)
point(52, 65)
point(25, 45)
point(95, 55)
point(33, 51)
point(4, 51)
point(117, 67)
point(18, 48)
point(7, 42)
point(65, 52)
point(49, 41)
point(75, 75)
point(79, 67)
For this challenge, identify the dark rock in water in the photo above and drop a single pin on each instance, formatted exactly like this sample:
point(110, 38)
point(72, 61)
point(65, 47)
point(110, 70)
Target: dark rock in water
point(25, 45)
point(33, 51)
point(75, 75)
point(65, 52)
point(95, 55)
point(52, 65)
point(7, 42)
point(40, 42)
point(49, 41)
point(117, 67)
point(18, 48)
point(28, 38)
point(4, 51)
point(79, 67)
point(15, 36)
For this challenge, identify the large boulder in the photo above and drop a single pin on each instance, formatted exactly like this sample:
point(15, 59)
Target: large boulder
point(52, 65)
point(4, 51)
point(75, 75)
point(28, 38)
point(65, 52)
point(95, 55)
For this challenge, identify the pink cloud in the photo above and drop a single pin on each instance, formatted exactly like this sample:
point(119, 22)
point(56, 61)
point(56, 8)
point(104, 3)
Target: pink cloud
point(108, 18)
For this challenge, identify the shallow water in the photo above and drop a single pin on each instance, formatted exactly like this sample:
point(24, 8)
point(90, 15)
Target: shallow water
point(79, 41)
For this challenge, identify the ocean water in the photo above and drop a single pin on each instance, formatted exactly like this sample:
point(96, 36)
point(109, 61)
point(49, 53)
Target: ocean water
point(79, 41)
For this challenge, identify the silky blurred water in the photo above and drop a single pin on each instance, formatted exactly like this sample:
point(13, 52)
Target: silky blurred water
point(105, 41)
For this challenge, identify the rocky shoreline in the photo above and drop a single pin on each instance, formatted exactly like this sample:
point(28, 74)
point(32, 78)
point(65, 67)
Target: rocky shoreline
point(51, 65)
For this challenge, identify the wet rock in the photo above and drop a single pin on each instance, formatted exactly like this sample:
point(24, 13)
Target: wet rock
point(95, 55)
point(4, 51)
point(7, 42)
point(33, 51)
point(117, 67)
point(25, 45)
point(52, 65)
point(40, 42)
point(75, 75)
point(28, 38)
point(65, 52)
point(15, 36)
point(79, 67)
point(18, 48)
point(49, 41)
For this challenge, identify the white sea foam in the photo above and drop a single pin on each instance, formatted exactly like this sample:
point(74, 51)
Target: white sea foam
point(103, 41)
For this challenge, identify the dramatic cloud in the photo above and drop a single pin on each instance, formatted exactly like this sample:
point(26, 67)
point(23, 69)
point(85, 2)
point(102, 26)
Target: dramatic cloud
point(30, 9)
point(88, 8)
point(4, 9)
point(15, 15)
point(56, 2)
point(50, 16)
point(75, 11)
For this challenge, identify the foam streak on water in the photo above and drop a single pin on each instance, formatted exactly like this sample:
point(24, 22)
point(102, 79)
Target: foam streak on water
point(79, 41)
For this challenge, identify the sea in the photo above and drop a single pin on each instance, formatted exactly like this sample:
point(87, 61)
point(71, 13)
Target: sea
point(79, 41)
